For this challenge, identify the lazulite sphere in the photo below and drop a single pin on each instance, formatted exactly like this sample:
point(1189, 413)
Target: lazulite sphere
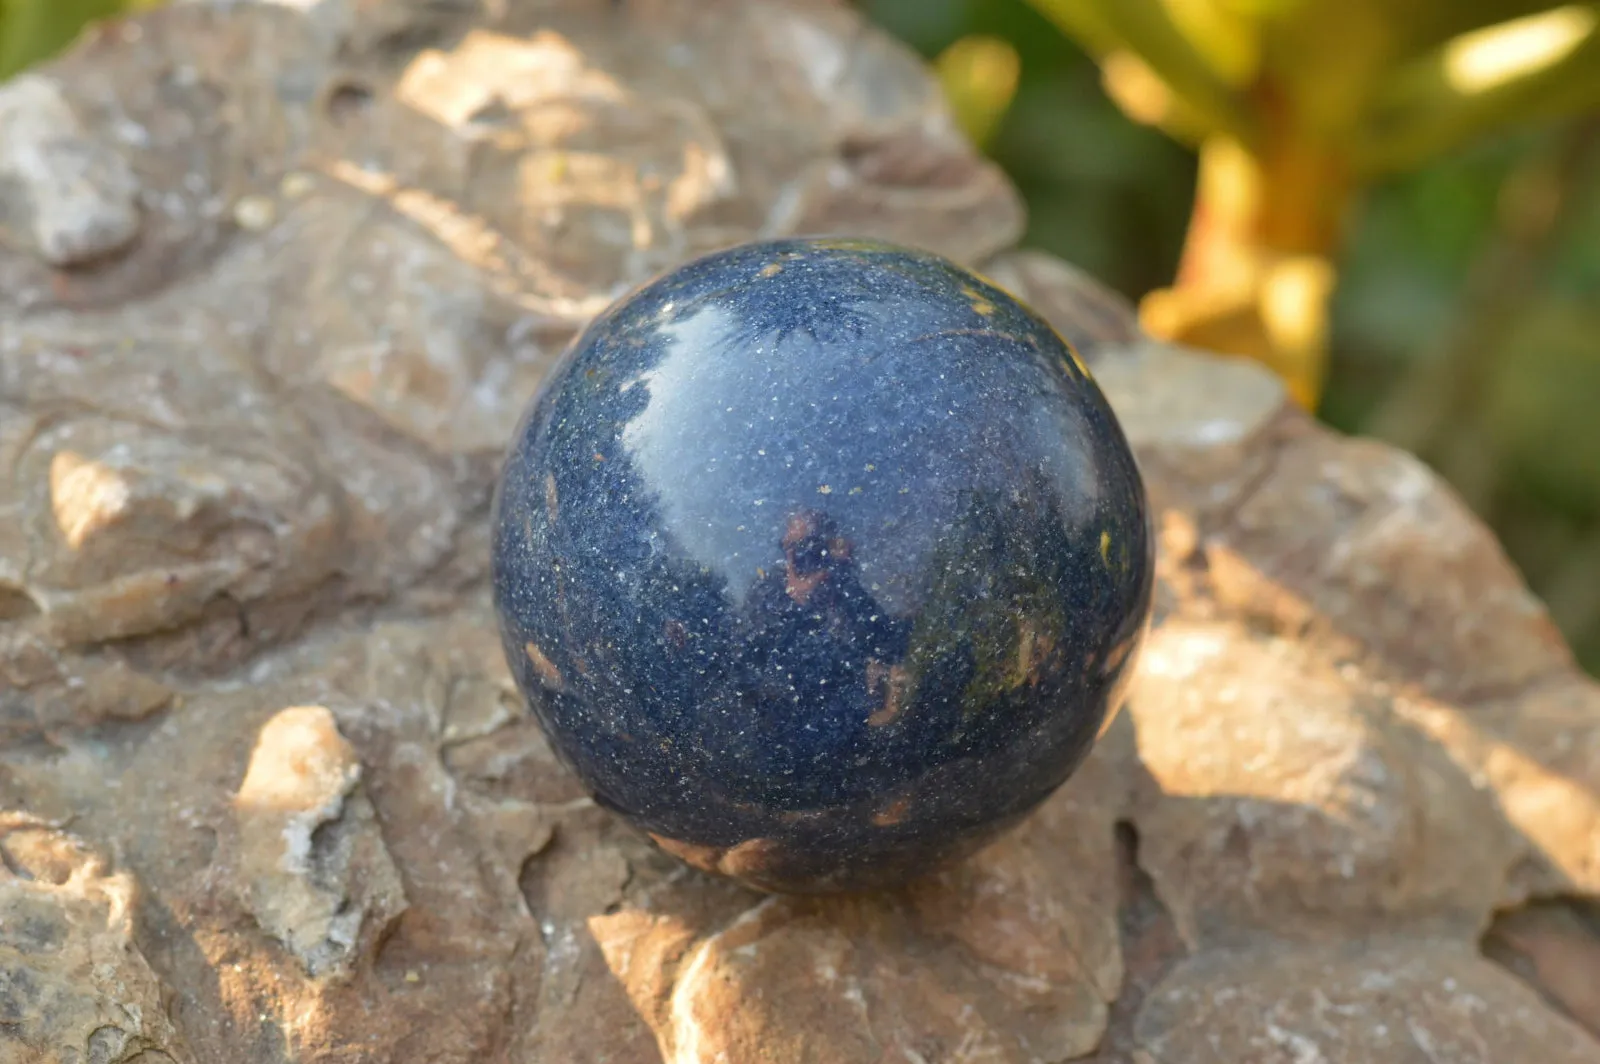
point(821, 561)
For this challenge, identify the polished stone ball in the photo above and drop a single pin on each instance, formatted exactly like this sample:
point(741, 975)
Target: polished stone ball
point(821, 561)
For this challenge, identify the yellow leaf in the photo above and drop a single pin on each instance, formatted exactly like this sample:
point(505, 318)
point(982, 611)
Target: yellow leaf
point(979, 74)
point(1228, 41)
point(1146, 27)
point(1141, 95)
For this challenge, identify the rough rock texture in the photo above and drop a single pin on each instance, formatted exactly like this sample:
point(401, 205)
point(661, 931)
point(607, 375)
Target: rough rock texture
point(70, 975)
point(275, 282)
point(309, 852)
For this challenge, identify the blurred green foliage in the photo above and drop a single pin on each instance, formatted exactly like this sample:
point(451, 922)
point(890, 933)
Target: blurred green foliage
point(1466, 322)
point(31, 30)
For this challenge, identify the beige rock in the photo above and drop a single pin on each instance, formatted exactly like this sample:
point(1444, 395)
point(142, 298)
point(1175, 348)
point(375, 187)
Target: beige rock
point(310, 857)
point(1409, 1002)
point(1205, 408)
point(1287, 795)
point(73, 984)
point(1557, 949)
point(1365, 543)
point(1086, 312)
point(1539, 754)
point(1011, 956)
point(44, 693)
point(246, 644)
point(70, 199)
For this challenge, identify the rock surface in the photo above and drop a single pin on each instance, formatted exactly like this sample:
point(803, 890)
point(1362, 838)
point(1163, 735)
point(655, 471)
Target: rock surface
point(277, 285)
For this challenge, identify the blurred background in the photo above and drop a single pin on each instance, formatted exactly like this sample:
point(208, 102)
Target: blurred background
point(1394, 204)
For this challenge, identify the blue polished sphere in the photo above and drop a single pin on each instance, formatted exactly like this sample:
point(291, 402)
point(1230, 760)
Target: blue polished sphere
point(821, 561)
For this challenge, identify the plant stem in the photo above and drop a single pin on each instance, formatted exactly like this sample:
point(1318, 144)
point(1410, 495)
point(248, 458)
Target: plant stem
point(1257, 268)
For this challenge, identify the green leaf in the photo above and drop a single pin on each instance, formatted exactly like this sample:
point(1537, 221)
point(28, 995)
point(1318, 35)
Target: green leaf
point(979, 74)
point(1145, 28)
point(35, 30)
point(1528, 70)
